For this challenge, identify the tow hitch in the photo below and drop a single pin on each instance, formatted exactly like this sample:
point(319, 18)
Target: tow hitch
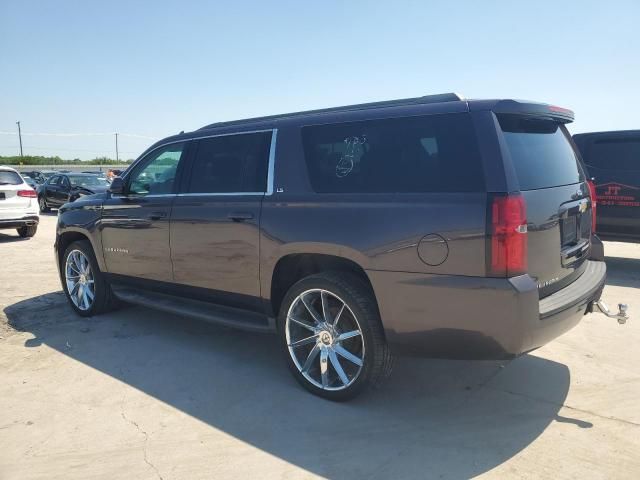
point(600, 307)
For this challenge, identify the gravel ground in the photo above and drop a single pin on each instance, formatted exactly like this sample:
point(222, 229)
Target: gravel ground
point(141, 394)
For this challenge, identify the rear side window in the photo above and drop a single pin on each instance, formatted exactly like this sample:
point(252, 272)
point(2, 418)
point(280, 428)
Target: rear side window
point(614, 154)
point(9, 178)
point(541, 152)
point(436, 153)
point(231, 163)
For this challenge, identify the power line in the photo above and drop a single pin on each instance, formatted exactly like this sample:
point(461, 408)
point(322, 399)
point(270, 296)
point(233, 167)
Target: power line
point(43, 134)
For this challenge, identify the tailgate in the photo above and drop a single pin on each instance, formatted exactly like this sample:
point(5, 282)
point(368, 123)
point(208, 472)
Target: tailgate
point(557, 199)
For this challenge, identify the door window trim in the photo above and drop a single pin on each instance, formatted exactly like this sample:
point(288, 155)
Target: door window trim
point(188, 141)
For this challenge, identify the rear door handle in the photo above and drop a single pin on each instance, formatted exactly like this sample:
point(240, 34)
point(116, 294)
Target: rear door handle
point(157, 215)
point(240, 216)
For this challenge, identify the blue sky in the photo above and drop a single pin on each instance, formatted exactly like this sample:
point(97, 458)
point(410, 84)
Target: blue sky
point(155, 68)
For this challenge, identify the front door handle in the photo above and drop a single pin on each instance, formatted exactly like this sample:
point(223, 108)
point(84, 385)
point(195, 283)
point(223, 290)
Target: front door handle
point(157, 215)
point(240, 216)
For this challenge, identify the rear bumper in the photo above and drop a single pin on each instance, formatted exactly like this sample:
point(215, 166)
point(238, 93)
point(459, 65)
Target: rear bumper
point(25, 221)
point(478, 318)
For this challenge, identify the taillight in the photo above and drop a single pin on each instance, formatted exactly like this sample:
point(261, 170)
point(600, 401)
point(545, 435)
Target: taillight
point(27, 193)
point(592, 194)
point(508, 235)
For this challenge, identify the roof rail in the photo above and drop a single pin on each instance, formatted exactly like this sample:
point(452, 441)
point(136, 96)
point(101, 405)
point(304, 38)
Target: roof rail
point(437, 98)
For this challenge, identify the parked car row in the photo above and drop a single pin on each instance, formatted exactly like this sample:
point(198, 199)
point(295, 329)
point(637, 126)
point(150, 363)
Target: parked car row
point(432, 226)
point(22, 194)
point(66, 187)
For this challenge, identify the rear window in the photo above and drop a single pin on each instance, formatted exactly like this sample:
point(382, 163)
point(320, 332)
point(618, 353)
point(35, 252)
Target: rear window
point(436, 153)
point(614, 154)
point(9, 178)
point(541, 152)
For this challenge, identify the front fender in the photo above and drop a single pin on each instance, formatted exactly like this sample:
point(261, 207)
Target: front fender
point(81, 217)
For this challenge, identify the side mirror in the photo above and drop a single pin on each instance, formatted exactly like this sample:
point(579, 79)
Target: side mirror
point(117, 186)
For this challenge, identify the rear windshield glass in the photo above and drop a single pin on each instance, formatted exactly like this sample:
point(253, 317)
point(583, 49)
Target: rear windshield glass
point(614, 154)
point(436, 153)
point(541, 152)
point(9, 178)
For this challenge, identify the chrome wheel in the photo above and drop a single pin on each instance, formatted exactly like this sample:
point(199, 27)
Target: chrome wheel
point(80, 280)
point(324, 339)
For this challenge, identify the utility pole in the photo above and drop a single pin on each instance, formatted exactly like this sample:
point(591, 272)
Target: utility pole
point(20, 137)
point(117, 157)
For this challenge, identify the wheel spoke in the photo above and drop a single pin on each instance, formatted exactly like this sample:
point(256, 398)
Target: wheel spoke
point(310, 358)
point(304, 341)
point(333, 358)
point(75, 285)
point(72, 266)
point(89, 293)
point(348, 355)
point(326, 314)
point(324, 371)
point(79, 294)
point(301, 323)
point(311, 310)
point(344, 336)
point(337, 319)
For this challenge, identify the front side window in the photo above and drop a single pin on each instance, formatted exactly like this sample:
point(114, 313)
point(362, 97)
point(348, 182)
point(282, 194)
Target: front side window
point(88, 181)
point(231, 163)
point(435, 153)
point(157, 174)
point(54, 180)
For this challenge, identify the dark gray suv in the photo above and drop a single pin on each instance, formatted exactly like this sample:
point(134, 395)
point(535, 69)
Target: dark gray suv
point(431, 226)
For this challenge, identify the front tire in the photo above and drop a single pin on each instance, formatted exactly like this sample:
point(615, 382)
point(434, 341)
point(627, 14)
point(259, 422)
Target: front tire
point(330, 330)
point(85, 286)
point(27, 231)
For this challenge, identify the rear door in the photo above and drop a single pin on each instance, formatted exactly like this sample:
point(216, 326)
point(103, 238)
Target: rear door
point(50, 189)
point(215, 221)
point(558, 206)
point(613, 159)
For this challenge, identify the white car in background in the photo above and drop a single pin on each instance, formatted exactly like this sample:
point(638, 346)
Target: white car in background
point(18, 203)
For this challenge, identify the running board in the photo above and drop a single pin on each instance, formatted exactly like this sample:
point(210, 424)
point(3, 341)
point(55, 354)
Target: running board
point(208, 312)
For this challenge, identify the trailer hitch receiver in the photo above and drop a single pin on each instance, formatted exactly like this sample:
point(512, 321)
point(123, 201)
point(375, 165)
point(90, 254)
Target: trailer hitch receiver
point(599, 306)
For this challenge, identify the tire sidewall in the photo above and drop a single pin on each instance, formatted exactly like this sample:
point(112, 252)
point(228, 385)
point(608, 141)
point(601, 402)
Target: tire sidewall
point(365, 315)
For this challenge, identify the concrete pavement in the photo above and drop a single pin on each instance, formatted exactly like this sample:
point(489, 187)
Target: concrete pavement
point(142, 394)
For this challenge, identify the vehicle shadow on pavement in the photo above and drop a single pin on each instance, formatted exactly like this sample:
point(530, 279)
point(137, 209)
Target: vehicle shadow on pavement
point(433, 418)
point(14, 237)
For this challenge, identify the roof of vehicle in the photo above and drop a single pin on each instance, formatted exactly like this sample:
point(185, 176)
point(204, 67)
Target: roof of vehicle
point(78, 174)
point(428, 104)
point(608, 133)
point(7, 168)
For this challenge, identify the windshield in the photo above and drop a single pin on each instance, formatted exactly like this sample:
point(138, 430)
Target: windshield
point(9, 178)
point(541, 152)
point(87, 181)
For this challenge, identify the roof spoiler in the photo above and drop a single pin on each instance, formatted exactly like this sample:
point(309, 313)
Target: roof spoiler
point(538, 110)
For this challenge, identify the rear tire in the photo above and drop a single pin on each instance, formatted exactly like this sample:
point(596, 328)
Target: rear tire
point(27, 231)
point(43, 205)
point(84, 284)
point(334, 359)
